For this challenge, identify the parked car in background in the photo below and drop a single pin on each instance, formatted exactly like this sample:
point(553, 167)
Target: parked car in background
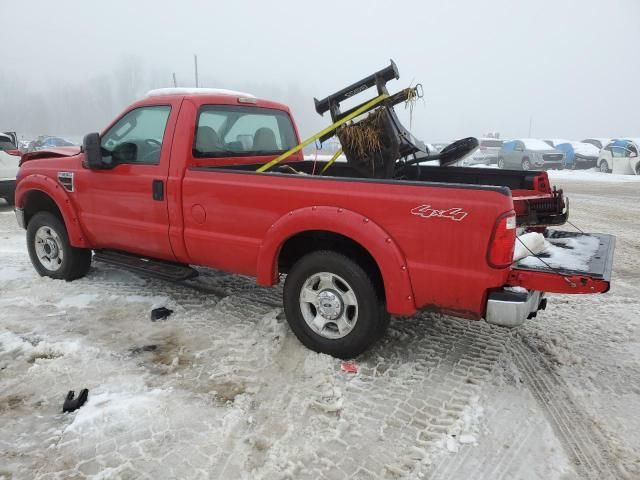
point(529, 154)
point(620, 156)
point(600, 143)
point(9, 160)
point(578, 154)
point(553, 142)
point(490, 149)
point(45, 141)
point(486, 154)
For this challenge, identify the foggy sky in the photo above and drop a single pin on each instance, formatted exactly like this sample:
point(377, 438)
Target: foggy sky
point(571, 68)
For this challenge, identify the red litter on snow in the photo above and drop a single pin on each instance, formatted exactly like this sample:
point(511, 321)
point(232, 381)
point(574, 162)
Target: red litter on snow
point(349, 367)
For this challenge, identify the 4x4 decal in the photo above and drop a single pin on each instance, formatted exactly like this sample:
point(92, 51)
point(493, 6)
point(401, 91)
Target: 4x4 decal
point(427, 211)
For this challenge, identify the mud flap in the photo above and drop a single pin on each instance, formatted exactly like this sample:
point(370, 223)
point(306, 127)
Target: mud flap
point(574, 263)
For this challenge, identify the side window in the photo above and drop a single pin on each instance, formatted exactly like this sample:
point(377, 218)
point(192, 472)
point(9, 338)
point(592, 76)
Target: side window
point(633, 150)
point(137, 137)
point(619, 150)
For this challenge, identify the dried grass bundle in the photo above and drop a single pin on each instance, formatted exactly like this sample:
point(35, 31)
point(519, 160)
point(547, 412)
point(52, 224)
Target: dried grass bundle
point(364, 137)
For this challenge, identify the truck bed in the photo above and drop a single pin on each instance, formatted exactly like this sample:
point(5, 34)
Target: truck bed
point(534, 201)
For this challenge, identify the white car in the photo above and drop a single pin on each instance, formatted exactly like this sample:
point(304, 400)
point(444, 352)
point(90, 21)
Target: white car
point(620, 156)
point(9, 159)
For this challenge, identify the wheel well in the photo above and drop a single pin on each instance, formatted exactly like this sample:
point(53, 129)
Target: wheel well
point(38, 201)
point(310, 241)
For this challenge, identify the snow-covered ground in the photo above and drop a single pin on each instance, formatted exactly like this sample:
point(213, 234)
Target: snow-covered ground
point(222, 389)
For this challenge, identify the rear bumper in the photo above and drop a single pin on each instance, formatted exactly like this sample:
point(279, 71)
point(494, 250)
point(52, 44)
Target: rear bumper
point(510, 309)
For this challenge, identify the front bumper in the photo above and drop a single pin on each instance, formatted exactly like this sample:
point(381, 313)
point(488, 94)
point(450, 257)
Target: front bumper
point(510, 308)
point(552, 165)
point(585, 162)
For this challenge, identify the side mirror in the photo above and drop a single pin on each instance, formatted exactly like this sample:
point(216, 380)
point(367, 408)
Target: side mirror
point(92, 150)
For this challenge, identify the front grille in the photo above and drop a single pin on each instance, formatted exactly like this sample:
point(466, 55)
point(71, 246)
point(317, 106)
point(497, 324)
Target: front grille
point(552, 157)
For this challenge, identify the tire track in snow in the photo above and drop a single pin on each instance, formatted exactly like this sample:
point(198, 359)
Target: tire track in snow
point(580, 437)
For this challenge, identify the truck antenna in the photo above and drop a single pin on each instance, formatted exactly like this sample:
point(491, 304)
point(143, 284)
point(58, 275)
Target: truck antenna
point(195, 64)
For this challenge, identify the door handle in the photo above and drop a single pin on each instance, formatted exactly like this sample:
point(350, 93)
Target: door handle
point(157, 188)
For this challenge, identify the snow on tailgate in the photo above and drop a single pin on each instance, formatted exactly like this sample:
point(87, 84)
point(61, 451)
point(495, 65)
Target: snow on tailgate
point(566, 253)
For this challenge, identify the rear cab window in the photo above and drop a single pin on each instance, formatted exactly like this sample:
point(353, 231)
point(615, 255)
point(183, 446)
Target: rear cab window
point(224, 131)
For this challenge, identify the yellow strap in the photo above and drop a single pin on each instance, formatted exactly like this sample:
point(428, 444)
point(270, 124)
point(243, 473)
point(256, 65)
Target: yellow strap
point(330, 162)
point(322, 133)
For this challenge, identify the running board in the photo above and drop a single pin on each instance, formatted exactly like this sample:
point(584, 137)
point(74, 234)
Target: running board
point(174, 272)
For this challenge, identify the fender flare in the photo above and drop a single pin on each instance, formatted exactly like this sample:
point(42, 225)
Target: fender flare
point(60, 197)
point(362, 230)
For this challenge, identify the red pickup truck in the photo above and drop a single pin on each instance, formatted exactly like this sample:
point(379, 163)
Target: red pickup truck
point(172, 184)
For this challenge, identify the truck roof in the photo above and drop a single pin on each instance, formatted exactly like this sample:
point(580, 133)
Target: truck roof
point(197, 91)
point(211, 95)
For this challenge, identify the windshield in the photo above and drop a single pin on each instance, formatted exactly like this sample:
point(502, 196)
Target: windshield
point(227, 131)
point(534, 144)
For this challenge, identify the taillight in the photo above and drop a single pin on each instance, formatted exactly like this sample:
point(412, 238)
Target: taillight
point(17, 153)
point(503, 241)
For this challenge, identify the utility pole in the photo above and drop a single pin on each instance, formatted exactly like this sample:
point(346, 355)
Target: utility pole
point(195, 62)
point(530, 122)
point(175, 83)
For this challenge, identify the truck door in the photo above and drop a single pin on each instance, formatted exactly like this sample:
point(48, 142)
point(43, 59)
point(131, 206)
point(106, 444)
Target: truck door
point(124, 207)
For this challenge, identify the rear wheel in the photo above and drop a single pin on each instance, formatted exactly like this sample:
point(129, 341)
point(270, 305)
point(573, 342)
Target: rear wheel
point(501, 163)
point(51, 253)
point(604, 166)
point(332, 306)
point(526, 164)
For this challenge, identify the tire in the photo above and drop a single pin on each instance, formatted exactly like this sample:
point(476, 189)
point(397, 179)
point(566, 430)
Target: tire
point(604, 167)
point(50, 251)
point(350, 300)
point(501, 163)
point(526, 164)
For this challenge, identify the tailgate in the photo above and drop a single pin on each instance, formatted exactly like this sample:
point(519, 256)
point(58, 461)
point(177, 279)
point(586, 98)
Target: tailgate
point(574, 262)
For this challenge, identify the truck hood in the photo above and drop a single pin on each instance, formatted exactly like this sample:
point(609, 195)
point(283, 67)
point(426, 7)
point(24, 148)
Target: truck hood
point(55, 152)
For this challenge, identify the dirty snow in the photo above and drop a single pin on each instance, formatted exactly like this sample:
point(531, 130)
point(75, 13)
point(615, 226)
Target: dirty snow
point(222, 389)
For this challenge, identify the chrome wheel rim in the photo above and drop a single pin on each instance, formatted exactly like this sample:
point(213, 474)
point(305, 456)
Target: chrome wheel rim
point(501, 163)
point(329, 305)
point(526, 165)
point(49, 248)
point(604, 167)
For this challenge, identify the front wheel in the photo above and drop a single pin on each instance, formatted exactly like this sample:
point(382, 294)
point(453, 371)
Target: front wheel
point(501, 163)
point(51, 253)
point(332, 305)
point(526, 164)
